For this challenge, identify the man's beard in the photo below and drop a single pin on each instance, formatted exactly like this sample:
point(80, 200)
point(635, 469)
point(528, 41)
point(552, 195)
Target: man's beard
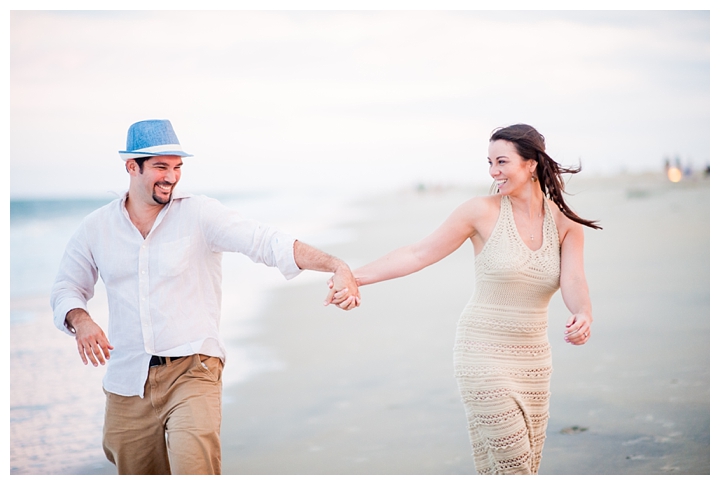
point(157, 198)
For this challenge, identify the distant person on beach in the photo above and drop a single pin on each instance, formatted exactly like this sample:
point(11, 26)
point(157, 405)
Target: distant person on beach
point(159, 253)
point(528, 243)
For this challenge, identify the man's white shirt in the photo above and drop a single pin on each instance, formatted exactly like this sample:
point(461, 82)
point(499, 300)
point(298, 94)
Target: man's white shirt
point(164, 291)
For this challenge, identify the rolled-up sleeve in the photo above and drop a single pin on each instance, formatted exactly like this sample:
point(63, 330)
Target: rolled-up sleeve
point(226, 230)
point(75, 282)
point(283, 247)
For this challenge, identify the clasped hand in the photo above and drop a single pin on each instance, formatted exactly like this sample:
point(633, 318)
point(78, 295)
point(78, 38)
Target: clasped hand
point(344, 292)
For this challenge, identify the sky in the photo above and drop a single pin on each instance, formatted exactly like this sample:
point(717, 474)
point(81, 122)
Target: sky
point(367, 100)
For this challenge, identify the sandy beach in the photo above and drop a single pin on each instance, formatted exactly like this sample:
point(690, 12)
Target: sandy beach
point(372, 392)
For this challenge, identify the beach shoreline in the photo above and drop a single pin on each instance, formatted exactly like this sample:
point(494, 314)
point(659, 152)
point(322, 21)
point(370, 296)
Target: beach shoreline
point(372, 391)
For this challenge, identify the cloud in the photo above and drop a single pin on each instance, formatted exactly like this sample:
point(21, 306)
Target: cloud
point(313, 90)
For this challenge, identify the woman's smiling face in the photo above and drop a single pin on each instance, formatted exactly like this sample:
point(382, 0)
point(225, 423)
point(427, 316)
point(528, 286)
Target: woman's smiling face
point(508, 169)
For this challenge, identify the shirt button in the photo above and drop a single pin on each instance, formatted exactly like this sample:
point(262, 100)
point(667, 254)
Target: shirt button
point(143, 272)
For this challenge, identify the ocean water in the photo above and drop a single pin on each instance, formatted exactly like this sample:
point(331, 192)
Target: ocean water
point(57, 403)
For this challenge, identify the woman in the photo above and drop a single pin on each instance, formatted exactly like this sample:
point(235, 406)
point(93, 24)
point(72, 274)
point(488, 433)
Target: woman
point(528, 243)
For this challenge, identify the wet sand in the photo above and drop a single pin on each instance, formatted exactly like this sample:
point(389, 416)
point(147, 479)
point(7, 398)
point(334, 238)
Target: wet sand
point(372, 391)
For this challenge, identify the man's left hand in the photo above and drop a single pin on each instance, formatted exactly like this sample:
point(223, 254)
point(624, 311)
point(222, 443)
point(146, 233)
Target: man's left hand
point(344, 292)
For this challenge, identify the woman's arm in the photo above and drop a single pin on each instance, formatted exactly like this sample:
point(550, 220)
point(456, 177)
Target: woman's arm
point(457, 228)
point(574, 287)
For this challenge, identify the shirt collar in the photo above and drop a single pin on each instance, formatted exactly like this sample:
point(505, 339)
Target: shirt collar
point(180, 195)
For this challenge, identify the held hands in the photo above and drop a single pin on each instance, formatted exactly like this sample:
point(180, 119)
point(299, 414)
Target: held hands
point(344, 292)
point(91, 341)
point(577, 329)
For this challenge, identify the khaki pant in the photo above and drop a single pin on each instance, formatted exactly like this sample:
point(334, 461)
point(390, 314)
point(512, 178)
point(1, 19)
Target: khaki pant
point(175, 428)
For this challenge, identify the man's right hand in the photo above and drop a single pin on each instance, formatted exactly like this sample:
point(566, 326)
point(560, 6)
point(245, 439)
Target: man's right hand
point(91, 341)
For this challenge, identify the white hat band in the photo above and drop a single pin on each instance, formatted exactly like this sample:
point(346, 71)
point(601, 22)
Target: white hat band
point(158, 149)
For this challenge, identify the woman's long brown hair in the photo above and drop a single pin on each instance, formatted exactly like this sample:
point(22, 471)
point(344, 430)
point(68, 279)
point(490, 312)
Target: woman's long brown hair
point(530, 145)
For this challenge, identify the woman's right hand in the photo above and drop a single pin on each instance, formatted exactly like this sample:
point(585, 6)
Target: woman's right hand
point(340, 298)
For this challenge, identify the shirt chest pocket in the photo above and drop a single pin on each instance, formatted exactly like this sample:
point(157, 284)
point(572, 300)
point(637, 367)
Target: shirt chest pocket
point(175, 256)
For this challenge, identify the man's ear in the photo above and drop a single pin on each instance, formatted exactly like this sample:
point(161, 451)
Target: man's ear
point(131, 166)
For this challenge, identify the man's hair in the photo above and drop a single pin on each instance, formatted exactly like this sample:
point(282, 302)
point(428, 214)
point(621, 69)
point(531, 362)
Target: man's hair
point(140, 161)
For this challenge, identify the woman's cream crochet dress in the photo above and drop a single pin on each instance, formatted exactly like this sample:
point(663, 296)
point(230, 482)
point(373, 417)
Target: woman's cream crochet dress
point(502, 355)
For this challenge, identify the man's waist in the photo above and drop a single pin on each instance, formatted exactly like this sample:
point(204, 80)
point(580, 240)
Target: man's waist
point(157, 360)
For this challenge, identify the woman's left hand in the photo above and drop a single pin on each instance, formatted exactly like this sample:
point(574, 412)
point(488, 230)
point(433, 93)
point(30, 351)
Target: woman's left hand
point(577, 329)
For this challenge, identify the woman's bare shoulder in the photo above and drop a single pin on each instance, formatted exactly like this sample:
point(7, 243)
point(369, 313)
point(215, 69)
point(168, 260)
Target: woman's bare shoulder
point(478, 209)
point(480, 213)
point(482, 203)
point(563, 223)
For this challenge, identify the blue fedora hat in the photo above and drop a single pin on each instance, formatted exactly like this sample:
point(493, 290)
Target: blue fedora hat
point(152, 138)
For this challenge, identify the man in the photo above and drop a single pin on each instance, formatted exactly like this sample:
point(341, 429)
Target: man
point(159, 254)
